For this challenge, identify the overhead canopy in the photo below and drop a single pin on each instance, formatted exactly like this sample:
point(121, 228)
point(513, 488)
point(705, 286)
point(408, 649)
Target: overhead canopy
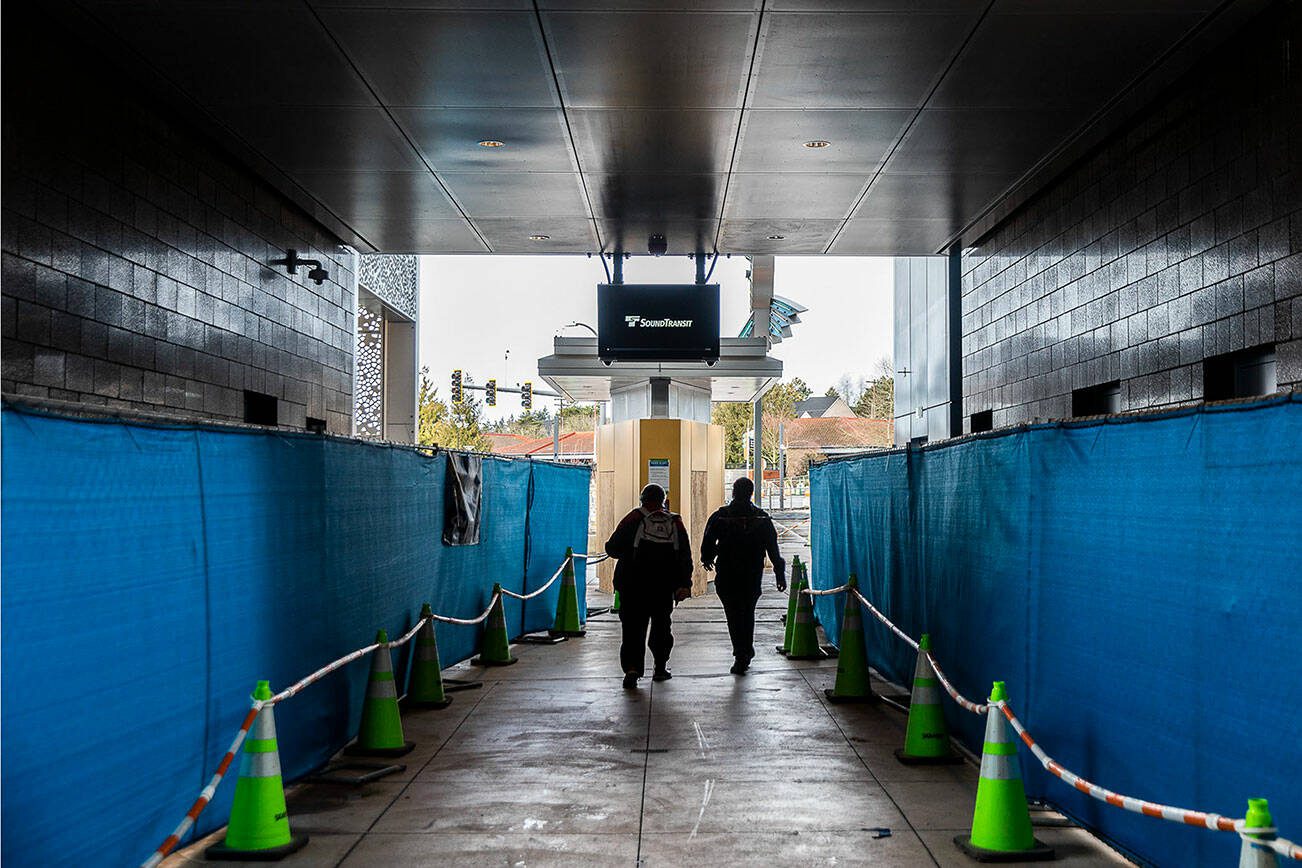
point(743, 371)
point(687, 119)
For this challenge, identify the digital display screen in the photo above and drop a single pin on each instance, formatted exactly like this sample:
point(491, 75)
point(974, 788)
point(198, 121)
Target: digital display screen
point(654, 322)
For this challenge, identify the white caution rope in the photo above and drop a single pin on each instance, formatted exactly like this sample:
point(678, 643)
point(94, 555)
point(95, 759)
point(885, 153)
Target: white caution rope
point(529, 596)
point(814, 592)
point(1201, 819)
point(908, 640)
point(205, 795)
point(974, 707)
point(1189, 817)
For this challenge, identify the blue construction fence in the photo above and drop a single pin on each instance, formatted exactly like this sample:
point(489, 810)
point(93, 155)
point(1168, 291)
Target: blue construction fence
point(152, 573)
point(1137, 582)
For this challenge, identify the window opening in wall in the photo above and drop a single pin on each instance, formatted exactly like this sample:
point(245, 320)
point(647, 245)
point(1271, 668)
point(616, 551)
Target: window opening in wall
point(1241, 374)
point(1100, 400)
point(918, 441)
point(316, 426)
point(983, 421)
point(260, 409)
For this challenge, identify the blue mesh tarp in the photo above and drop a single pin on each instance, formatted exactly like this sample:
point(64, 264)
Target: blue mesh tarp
point(152, 574)
point(1138, 584)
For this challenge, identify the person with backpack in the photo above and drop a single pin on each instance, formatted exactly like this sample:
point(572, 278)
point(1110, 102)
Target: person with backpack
point(653, 574)
point(737, 537)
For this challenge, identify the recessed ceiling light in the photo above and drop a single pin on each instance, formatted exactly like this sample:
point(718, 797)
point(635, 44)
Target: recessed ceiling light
point(492, 143)
point(539, 237)
point(777, 237)
point(818, 143)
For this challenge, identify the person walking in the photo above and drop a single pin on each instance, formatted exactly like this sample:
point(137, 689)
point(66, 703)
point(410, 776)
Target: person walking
point(653, 573)
point(737, 537)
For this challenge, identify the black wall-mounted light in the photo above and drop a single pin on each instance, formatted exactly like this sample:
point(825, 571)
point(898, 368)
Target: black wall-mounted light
point(291, 260)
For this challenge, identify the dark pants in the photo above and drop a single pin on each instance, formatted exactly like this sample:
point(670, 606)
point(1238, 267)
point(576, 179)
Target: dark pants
point(635, 615)
point(739, 599)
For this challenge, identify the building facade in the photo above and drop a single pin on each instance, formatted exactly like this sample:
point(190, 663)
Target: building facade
point(1162, 268)
point(137, 265)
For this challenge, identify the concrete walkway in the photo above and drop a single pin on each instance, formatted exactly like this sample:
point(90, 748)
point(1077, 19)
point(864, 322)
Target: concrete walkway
point(552, 763)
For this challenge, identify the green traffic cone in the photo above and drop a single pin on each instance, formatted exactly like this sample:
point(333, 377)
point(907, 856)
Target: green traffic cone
point(792, 601)
point(926, 740)
point(614, 606)
point(495, 647)
point(259, 825)
point(426, 687)
point(1001, 822)
point(567, 606)
point(380, 733)
point(852, 683)
point(1252, 854)
point(804, 636)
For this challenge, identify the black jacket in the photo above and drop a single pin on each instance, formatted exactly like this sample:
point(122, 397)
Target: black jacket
point(737, 537)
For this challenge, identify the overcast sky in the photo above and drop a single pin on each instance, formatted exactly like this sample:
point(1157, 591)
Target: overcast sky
point(475, 308)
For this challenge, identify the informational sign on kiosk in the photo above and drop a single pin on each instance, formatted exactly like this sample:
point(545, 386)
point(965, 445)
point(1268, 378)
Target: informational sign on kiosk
point(657, 472)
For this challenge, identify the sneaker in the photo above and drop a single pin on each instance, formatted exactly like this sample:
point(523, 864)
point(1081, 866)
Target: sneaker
point(739, 668)
point(662, 674)
point(630, 680)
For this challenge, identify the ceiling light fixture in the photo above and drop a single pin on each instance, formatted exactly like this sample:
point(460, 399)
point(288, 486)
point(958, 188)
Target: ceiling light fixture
point(492, 143)
point(818, 143)
point(777, 237)
point(539, 237)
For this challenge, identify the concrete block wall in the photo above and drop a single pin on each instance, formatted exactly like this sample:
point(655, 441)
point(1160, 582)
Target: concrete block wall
point(134, 270)
point(1179, 239)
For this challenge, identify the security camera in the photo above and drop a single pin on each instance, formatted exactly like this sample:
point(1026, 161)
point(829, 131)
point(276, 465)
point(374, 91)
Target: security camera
point(656, 245)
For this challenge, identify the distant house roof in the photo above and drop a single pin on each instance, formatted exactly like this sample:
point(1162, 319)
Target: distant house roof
point(574, 446)
point(824, 405)
point(498, 442)
point(840, 434)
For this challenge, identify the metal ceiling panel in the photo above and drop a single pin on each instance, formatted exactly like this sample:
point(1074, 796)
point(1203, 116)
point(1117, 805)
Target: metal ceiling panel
point(463, 5)
point(518, 194)
point(376, 195)
point(773, 141)
point(237, 53)
point(645, 97)
point(564, 234)
point(301, 139)
point(654, 140)
point(866, 236)
point(399, 235)
point(656, 196)
point(533, 139)
point(916, 6)
point(683, 237)
point(650, 5)
point(422, 57)
point(797, 236)
point(1057, 61)
point(650, 59)
point(983, 141)
point(956, 197)
point(791, 195)
point(869, 60)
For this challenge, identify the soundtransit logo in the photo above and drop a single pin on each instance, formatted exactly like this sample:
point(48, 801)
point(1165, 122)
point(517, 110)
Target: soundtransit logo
point(634, 321)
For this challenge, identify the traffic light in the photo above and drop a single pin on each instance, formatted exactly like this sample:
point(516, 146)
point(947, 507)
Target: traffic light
point(526, 395)
point(457, 395)
point(490, 392)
